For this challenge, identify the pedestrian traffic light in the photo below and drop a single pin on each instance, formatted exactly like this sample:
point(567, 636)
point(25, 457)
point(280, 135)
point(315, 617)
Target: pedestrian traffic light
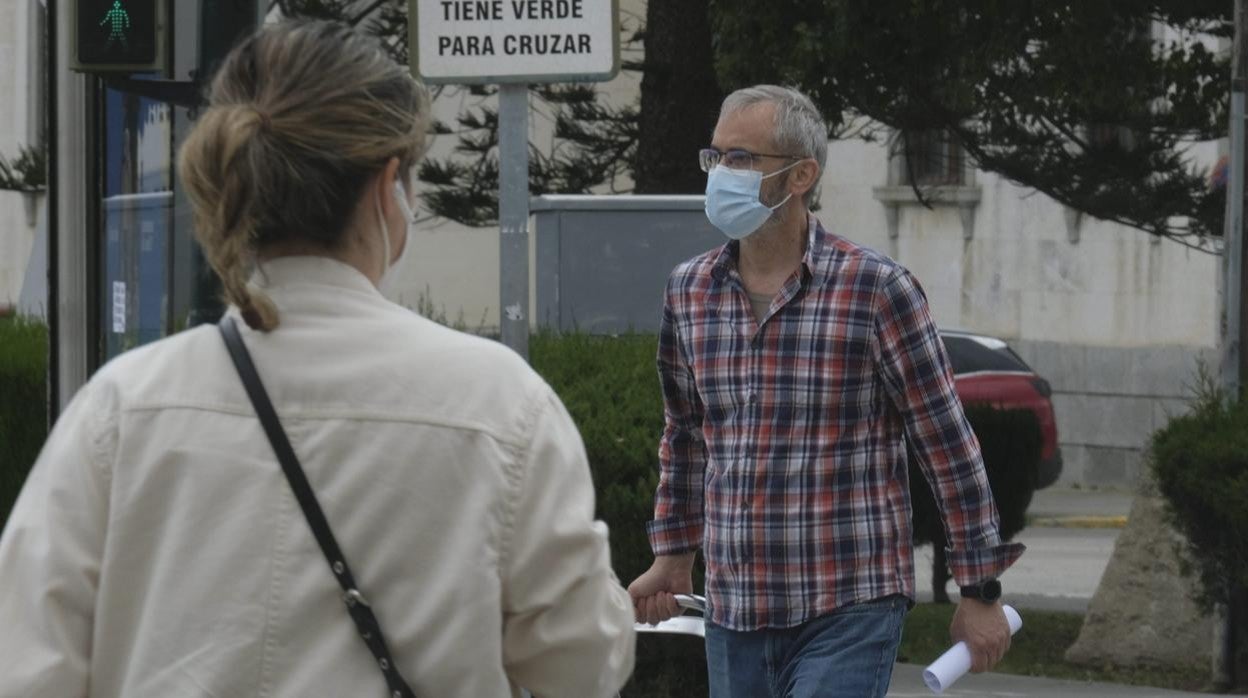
point(119, 36)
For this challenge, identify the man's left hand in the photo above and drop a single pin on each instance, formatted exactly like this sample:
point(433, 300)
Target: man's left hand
point(982, 626)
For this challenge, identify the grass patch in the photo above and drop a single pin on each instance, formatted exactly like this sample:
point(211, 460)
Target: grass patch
point(1037, 650)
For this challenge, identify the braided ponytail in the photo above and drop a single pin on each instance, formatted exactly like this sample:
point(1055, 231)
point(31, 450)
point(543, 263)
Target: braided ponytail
point(300, 115)
point(215, 166)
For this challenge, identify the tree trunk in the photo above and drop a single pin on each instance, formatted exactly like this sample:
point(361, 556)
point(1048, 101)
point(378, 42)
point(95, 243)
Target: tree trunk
point(1238, 609)
point(680, 98)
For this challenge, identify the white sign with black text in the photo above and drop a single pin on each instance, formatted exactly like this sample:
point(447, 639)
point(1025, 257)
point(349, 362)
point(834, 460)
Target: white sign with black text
point(119, 307)
point(503, 41)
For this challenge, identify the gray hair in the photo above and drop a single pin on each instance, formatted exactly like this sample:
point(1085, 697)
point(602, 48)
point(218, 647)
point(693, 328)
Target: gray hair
point(800, 129)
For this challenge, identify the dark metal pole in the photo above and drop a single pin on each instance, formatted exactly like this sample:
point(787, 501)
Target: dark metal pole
point(53, 301)
point(1233, 247)
point(1233, 340)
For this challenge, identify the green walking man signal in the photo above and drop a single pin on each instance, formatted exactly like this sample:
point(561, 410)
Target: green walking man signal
point(120, 36)
point(119, 23)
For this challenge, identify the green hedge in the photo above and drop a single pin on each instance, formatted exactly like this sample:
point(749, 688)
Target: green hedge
point(1200, 464)
point(23, 403)
point(1200, 461)
point(611, 388)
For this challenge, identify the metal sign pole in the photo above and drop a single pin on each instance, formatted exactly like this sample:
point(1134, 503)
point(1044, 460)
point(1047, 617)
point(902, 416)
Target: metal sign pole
point(1222, 663)
point(1233, 240)
point(513, 45)
point(513, 215)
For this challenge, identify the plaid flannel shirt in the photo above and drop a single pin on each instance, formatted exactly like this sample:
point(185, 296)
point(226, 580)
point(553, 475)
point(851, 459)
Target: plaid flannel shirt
point(784, 451)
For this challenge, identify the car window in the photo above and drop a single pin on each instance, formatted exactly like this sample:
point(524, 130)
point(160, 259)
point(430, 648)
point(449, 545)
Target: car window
point(968, 355)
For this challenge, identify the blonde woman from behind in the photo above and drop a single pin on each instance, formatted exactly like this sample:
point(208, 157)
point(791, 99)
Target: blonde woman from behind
point(157, 549)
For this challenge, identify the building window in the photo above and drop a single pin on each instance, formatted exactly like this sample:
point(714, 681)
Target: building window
point(930, 158)
point(925, 169)
point(1109, 137)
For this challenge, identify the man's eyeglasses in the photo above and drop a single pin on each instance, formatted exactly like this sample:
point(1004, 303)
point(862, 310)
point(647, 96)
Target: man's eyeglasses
point(734, 159)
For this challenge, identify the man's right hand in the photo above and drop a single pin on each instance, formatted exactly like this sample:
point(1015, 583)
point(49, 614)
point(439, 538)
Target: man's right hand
point(653, 592)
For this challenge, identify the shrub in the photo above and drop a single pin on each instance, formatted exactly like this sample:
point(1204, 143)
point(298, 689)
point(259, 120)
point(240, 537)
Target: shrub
point(23, 403)
point(1200, 461)
point(1200, 464)
point(1011, 442)
point(611, 388)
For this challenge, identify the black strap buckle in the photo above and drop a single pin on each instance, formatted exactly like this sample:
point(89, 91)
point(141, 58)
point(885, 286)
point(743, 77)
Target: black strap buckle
point(353, 598)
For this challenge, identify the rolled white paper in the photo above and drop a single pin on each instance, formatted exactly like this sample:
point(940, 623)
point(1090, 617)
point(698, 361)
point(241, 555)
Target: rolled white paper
point(953, 664)
point(680, 625)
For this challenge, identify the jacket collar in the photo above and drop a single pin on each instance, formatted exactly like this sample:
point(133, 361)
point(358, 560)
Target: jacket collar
point(287, 272)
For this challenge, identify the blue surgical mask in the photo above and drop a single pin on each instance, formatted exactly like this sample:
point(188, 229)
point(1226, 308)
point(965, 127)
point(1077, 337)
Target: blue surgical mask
point(732, 202)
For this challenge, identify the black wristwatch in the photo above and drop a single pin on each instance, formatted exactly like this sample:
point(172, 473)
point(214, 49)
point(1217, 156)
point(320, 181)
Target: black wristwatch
point(987, 591)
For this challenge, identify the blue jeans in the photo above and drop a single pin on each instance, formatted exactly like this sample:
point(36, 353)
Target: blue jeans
point(849, 652)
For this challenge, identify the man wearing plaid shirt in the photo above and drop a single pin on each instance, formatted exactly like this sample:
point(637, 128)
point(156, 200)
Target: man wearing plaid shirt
point(795, 367)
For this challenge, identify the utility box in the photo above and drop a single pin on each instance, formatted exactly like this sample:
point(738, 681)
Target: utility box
point(602, 262)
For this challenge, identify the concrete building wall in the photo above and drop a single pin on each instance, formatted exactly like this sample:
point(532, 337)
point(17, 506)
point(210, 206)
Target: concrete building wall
point(1116, 320)
point(1109, 400)
point(20, 214)
point(20, 123)
point(1020, 275)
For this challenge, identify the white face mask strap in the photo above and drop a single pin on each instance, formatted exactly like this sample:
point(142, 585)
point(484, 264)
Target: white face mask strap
point(385, 235)
point(400, 193)
point(786, 168)
point(773, 174)
point(790, 166)
point(783, 202)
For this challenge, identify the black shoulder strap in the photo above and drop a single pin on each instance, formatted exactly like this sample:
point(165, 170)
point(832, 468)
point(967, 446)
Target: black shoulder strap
point(356, 604)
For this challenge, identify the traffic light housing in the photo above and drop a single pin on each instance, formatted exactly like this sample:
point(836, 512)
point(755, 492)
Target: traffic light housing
point(222, 23)
point(120, 36)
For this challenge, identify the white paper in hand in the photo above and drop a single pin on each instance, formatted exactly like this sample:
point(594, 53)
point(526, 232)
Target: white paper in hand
point(952, 665)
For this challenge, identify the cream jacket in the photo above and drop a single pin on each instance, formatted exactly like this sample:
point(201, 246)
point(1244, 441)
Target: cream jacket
point(157, 550)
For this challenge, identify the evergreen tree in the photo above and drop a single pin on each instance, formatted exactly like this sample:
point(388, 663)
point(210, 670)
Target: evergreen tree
point(595, 143)
point(1092, 103)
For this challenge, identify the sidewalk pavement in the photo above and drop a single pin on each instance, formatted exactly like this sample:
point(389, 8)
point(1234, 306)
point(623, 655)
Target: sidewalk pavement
point(908, 683)
point(1069, 543)
point(1069, 540)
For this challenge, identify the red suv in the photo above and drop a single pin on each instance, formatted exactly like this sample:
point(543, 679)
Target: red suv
point(986, 370)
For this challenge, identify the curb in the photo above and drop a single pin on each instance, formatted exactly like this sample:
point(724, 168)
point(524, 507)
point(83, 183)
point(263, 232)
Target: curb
point(1077, 521)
